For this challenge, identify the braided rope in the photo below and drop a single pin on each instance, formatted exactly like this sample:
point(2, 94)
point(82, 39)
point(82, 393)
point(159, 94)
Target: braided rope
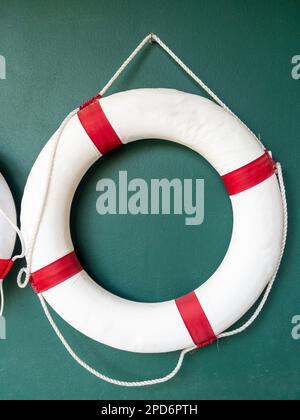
point(18, 232)
point(99, 374)
point(29, 253)
point(125, 64)
point(15, 258)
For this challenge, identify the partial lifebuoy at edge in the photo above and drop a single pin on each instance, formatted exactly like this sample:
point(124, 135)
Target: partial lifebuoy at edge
point(7, 234)
point(249, 175)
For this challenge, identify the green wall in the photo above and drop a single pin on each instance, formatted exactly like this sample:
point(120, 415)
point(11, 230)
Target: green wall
point(58, 54)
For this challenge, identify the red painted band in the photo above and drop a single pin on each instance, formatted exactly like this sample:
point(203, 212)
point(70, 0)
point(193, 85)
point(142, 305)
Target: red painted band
point(250, 175)
point(5, 267)
point(195, 320)
point(98, 127)
point(55, 273)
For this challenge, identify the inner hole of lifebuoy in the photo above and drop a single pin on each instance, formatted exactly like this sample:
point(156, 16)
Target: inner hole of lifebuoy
point(151, 221)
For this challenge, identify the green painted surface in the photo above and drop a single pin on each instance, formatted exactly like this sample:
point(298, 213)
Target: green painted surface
point(60, 53)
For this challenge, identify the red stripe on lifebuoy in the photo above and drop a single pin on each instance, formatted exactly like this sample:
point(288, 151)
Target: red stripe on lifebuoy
point(250, 175)
point(98, 127)
point(5, 267)
point(55, 273)
point(195, 320)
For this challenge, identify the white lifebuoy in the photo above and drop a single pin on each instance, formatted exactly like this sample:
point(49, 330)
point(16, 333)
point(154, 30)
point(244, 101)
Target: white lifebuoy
point(249, 174)
point(7, 233)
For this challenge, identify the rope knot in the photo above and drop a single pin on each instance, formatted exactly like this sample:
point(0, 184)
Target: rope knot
point(152, 38)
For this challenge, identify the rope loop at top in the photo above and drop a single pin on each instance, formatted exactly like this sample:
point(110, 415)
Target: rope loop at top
point(153, 38)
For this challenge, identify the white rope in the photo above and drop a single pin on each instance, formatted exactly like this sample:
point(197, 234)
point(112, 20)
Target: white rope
point(18, 232)
point(125, 64)
point(100, 375)
point(15, 258)
point(29, 253)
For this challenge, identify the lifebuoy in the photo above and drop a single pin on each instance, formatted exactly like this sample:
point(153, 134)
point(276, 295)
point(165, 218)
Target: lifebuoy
point(7, 233)
point(249, 174)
